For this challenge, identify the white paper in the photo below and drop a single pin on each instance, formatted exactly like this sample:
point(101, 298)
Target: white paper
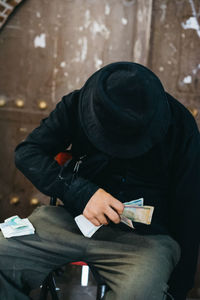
point(86, 227)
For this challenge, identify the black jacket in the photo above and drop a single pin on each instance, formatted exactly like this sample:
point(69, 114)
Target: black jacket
point(167, 176)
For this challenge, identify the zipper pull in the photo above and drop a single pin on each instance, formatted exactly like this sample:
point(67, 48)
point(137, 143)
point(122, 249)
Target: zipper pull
point(77, 165)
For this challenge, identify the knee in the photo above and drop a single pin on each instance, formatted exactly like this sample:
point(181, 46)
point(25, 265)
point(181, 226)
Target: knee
point(140, 290)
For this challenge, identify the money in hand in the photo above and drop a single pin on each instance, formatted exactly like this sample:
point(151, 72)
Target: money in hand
point(125, 220)
point(133, 211)
point(141, 214)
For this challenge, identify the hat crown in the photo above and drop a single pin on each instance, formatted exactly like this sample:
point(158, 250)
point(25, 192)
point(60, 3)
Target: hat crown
point(128, 96)
point(124, 110)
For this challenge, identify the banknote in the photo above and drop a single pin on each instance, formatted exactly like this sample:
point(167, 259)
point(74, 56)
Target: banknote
point(127, 221)
point(138, 202)
point(141, 214)
point(124, 219)
point(15, 226)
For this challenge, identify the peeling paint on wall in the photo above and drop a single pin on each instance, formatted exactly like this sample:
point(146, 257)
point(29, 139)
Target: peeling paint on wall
point(187, 79)
point(95, 26)
point(87, 19)
point(80, 55)
point(98, 62)
point(107, 9)
point(40, 41)
point(83, 43)
point(99, 28)
point(161, 68)
point(163, 15)
point(63, 64)
point(192, 22)
point(124, 21)
point(195, 70)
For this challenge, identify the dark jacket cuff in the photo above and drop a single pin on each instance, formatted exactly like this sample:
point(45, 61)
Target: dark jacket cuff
point(77, 194)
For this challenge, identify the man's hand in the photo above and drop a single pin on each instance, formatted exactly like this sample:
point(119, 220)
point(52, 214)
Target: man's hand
point(103, 207)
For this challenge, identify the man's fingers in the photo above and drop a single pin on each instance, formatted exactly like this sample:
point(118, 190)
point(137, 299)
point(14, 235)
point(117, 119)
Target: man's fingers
point(95, 222)
point(112, 215)
point(102, 205)
point(95, 219)
point(117, 205)
point(102, 219)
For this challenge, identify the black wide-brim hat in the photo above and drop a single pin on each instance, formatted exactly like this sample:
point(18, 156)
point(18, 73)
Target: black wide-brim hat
point(124, 110)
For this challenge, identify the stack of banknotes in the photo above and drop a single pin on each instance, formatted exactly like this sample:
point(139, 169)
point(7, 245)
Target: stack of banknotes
point(15, 226)
point(134, 210)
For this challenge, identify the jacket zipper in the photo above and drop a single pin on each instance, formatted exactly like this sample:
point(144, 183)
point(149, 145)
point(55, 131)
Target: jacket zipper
point(76, 167)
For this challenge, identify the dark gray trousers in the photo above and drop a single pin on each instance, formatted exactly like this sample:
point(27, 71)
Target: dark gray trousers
point(134, 266)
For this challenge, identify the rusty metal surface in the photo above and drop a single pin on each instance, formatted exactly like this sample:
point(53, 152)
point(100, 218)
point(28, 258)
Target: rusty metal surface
point(14, 128)
point(174, 54)
point(53, 48)
point(47, 50)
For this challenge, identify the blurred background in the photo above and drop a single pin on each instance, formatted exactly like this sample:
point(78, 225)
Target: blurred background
point(49, 48)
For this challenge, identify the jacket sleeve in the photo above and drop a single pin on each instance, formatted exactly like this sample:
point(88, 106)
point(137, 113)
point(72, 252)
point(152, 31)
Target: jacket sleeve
point(185, 214)
point(34, 157)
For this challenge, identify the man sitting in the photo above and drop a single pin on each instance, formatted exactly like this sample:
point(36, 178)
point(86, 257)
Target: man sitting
point(129, 139)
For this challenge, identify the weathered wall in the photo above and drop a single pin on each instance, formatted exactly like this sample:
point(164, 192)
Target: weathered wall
point(174, 49)
point(49, 48)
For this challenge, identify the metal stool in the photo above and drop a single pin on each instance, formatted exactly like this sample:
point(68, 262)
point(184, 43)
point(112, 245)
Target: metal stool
point(49, 285)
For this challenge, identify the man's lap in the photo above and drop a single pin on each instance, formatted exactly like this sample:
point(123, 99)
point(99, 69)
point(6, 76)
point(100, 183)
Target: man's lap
point(122, 256)
point(130, 261)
